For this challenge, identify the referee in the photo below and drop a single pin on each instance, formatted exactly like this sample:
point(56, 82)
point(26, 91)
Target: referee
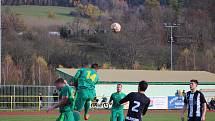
point(195, 101)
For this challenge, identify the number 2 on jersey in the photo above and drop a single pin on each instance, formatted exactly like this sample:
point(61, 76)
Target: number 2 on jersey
point(137, 105)
point(89, 76)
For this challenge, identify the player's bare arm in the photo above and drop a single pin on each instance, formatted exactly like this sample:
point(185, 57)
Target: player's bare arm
point(125, 103)
point(62, 102)
point(204, 111)
point(204, 106)
point(183, 111)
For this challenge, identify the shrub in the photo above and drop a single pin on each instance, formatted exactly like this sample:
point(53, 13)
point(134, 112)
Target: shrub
point(51, 14)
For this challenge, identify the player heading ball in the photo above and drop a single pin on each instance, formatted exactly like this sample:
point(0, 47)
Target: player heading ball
point(139, 103)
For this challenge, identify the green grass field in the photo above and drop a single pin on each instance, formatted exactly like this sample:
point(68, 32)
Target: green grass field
point(26, 11)
point(103, 117)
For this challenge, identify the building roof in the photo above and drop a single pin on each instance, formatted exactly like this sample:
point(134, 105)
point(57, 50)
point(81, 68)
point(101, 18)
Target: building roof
point(116, 75)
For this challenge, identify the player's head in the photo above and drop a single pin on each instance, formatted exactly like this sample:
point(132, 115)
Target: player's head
point(193, 84)
point(59, 83)
point(143, 85)
point(119, 87)
point(95, 66)
point(85, 65)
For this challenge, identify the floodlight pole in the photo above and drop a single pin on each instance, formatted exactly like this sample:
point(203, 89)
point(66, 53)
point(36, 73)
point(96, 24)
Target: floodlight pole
point(171, 39)
point(0, 44)
point(171, 26)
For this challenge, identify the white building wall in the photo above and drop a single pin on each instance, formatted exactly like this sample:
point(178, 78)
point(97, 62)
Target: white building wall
point(153, 90)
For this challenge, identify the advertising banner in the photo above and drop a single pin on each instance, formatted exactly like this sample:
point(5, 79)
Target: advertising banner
point(159, 102)
point(175, 102)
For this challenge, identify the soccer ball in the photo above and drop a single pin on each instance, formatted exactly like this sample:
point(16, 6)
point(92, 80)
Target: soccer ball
point(115, 27)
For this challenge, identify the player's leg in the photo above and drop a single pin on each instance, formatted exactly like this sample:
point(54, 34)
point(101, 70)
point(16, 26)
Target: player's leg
point(79, 103)
point(60, 117)
point(198, 119)
point(121, 115)
point(66, 116)
point(87, 109)
point(190, 119)
point(76, 115)
point(69, 116)
point(80, 100)
point(113, 115)
point(91, 95)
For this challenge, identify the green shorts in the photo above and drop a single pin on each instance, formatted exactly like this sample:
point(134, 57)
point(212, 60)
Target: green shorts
point(117, 115)
point(82, 96)
point(66, 116)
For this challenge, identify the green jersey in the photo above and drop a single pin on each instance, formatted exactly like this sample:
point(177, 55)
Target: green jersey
point(72, 98)
point(68, 92)
point(86, 78)
point(116, 97)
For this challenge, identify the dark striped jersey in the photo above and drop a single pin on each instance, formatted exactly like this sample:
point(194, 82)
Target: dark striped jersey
point(195, 103)
point(138, 105)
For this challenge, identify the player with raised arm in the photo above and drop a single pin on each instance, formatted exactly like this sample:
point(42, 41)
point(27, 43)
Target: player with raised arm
point(65, 103)
point(85, 80)
point(138, 103)
point(196, 103)
point(117, 111)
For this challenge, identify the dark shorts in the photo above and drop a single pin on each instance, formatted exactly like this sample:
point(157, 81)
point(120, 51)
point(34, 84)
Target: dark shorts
point(194, 119)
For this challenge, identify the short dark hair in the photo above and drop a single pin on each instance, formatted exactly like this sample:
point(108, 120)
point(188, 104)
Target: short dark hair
point(85, 64)
point(59, 80)
point(95, 65)
point(119, 84)
point(143, 85)
point(195, 81)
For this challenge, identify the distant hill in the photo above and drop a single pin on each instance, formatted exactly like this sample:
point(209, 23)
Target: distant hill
point(66, 3)
point(43, 14)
